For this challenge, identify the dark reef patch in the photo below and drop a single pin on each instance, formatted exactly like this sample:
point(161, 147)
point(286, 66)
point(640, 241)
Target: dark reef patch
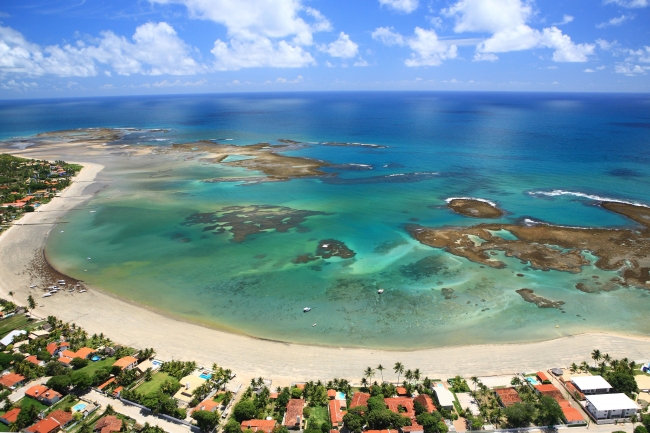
point(326, 249)
point(529, 296)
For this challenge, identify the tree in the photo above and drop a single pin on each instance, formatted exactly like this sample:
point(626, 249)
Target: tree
point(78, 363)
point(640, 429)
point(232, 426)
point(27, 416)
point(549, 411)
point(369, 373)
point(244, 410)
point(376, 403)
point(6, 359)
point(81, 379)
point(59, 383)
point(519, 415)
point(12, 296)
point(206, 420)
point(432, 422)
point(475, 381)
point(399, 369)
point(30, 302)
point(419, 408)
point(380, 368)
point(623, 381)
point(353, 422)
point(596, 356)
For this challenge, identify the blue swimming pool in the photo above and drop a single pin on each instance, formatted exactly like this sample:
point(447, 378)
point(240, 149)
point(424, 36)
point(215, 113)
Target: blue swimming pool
point(95, 358)
point(79, 407)
point(340, 395)
point(205, 376)
point(532, 381)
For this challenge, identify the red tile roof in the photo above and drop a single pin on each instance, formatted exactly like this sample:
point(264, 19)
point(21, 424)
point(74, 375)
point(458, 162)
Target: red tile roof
point(258, 425)
point(395, 402)
point(61, 417)
point(508, 396)
point(11, 416)
point(336, 412)
point(33, 359)
point(84, 352)
point(108, 424)
point(411, 428)
point(294, 410)
point(207, 404)
point(125, 362)
point(68, 354)
point(65, 360)
point(359, 399)
point(550, 391)
point(542, 376)
point(117, 390)
point(273, 395)
point(572, 415)
point(331, 393)
point(105, 384)
point(51, 348)
point(10, 379)
point(36, 391)
point(50, 394)
point(46, 425)
point(401, 390)
point(425, 401)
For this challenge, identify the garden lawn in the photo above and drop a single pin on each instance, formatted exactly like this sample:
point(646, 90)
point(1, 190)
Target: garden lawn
point(14, 322)
point(28, 402)
point(155, 383)
point(92, 367)
point(318, 416)
point(3, 427)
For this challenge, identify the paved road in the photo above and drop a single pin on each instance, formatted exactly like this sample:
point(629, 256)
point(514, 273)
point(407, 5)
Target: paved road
point(140, 415)
point(20, 392)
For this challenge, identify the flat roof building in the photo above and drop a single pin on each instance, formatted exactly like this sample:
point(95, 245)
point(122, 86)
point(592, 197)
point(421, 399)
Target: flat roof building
point(610, 406)
point(591, 385)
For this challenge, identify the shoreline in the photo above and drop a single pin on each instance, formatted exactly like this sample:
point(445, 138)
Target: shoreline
point(137, 325)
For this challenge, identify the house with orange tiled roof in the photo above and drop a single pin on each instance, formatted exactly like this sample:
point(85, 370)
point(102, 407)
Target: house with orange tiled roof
point(33, 359)
point(47, 425)
point(550, 390)
point(43, 394)
point(425, 401)
point(10, 417)
point(36, 391)
point(207, 404)
point(293, 415)
point(507, 396)
point(117, 392)
point(359, 399)
point(401, 391)
point(413, 428)
point(542, 377)
point(331, 393)
point(108, 424)
point(336, 409)
point(84, 352)
point(63, 418)
point(126, 363)
point(12, 380)
point(265, 426)
point(65, 360)
point(105, 384)
point(401, 405)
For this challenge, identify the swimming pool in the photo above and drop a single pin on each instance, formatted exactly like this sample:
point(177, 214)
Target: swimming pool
point(79, 407)
point(205, 375)
point(340, 395)
point(532, 381)
point(95, 358)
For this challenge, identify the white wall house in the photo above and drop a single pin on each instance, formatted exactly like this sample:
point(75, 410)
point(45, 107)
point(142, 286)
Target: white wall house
point(610, 406)
point(592, 385)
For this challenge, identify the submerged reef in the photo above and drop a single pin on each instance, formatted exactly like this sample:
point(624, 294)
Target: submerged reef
point(474, 208)
point(326, 249)
point(547, 246)
point(529, 296)
point(244, 221)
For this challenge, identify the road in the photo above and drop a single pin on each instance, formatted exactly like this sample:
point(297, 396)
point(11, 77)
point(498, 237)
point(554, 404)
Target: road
point(140, 415)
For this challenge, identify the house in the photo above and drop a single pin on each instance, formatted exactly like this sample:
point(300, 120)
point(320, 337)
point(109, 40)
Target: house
point(542, 377)
point(126, 363)
point(425, 401)
point(336, 409)
point(331, 393)
point(66, 360)
point(12, 380)
point(359, 399)
point(63, 418)
point(401, 405)
point(413, 428)
point(36, 391)
point(550, 391)
point(105, 384)
point(293, 416)
point(188, 385)
point(43, 394)
point(47, 425)
point(146, 365)
point(265, 426)
point(445, 397)
point(38, 334)
point(610, 406)
point(108, 424)
point(33, 359)
point(53, 348)
point(208, 404)
point(9, 338)
point(117, 392)
point(401, 391)
point(574, 391)
point(10, 417)
point(590, 385)
point(571, 415)
point(84, 353)
point(507, 396)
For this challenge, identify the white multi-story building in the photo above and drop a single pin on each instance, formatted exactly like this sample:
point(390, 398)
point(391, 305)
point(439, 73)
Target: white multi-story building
point(591, 384)
point(610, 406)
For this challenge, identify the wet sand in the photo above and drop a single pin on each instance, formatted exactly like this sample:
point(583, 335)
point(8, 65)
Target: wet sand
point(129, 323)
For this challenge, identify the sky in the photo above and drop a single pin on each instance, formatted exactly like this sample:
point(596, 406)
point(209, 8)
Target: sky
point(72, 48)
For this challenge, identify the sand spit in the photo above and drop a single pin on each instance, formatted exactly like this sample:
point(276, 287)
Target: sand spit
point(130, 323)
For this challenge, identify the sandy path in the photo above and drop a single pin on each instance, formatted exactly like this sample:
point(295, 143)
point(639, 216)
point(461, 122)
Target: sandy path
point(133, 325)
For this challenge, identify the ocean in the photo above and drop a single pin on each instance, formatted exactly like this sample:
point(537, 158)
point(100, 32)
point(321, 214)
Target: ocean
point(541, 156)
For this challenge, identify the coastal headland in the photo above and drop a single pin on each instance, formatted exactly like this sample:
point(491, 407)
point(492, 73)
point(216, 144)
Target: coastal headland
point(21, 248)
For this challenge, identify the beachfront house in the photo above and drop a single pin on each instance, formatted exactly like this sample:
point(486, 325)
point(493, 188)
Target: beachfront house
point(9, 338)
point(188, 385)
point(34, 335)
point(445, 397)
point(293, 415)
point(401, 405)
point(126, 363)
point(336, 409)
point(359, 399)
point(425, 401)
point(590, 385)
point(610, 406)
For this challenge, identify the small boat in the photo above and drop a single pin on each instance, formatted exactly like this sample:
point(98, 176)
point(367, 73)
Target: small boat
point(32, 286)
point(83, 291)
point(61, 231)
point(306, 310)
point(71, 289)
point(62, 282)
point(313, 325)
point(47, 295)
point(87, 258)
point(380, 291)
point(93, 211)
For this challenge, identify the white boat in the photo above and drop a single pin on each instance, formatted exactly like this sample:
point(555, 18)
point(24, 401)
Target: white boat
point(32, 286)
point(62, 282)
point(306, 310)
point(71, 289)
point(87, 258)
point(380, 291)
point(313, 325)
point(47, 295)
point(83, 291)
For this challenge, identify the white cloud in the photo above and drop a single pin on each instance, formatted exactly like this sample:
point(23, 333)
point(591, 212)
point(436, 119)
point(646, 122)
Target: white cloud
point(258, 53)
point(297, 80)
point(506, 21)
point(427, 49)
point(361, 63)
point(485, 57)
point(589, 70)
point(629, 3)
point(329, 65)
point(406, 6)
point(617, 21)
point(15, 85)
point(630, 69)
point(566, 19)
point(342, 47)
point(642, 55)
point(179, 83)
point(600, 68)
point(605, 45)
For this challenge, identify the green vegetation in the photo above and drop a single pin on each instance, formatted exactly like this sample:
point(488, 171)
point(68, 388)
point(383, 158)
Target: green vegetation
point(92, 367)
point(19, 321)
point(156, 382)
point(317, 417)
point(28, 402)
point(206, 420)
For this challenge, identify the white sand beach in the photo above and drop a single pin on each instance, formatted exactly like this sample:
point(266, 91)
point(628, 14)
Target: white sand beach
point(131, 324)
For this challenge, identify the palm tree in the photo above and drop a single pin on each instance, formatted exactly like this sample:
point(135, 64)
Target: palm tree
point(364, 382)
point(607, 358)
point(381, 371)
point(573, 368)
point(408, 375)
point(584, 366)
point(399, 369)
point(475, 381)
point(369, 373)
point(416, 375)
point(596, 356)
point(516, 381)
point(12, 299)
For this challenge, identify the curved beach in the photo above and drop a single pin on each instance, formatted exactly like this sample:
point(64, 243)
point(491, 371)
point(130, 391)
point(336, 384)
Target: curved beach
point(131, 324)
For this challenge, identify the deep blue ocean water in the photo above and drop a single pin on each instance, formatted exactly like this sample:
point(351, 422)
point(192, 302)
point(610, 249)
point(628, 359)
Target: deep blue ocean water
point(526, 152)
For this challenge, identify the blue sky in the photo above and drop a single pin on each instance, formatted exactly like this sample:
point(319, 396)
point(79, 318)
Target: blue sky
point(59, 48)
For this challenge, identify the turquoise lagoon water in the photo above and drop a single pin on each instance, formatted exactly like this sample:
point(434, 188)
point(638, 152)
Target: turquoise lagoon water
point(503, 147)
